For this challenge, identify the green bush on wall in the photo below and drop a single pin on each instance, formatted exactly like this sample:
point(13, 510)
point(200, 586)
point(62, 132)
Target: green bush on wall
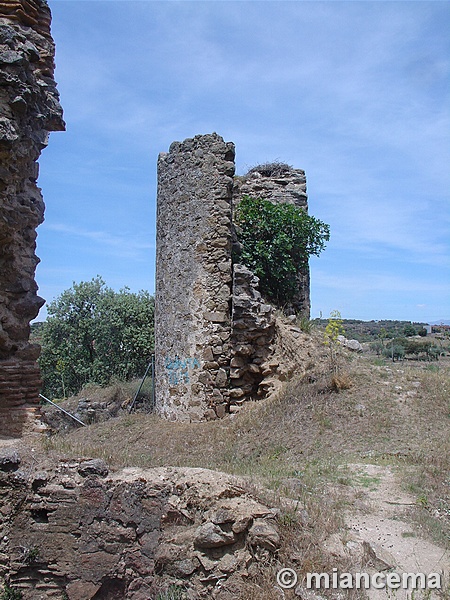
point(277, 241)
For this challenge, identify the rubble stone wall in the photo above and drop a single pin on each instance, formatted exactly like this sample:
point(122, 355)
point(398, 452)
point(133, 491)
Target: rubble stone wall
point(73, 531)
point(29, 110)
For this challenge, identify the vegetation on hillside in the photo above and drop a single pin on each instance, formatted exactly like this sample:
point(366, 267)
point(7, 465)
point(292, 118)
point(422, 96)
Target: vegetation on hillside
point(94, 334)
point(368, 331)
point(277, 241)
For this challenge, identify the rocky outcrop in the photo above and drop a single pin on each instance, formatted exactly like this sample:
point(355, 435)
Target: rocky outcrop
point(76, 532)
point(29, 109)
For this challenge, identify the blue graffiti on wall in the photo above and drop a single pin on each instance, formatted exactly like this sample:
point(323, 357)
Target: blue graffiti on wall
point(178, 369)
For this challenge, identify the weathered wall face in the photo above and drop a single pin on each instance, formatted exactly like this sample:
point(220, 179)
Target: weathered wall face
point(74, 532)
point(288, 187)
point(29, 109)
point(193, 278)
point(253, 330)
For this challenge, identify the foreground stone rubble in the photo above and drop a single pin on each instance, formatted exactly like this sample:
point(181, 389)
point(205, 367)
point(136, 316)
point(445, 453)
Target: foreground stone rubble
point(76, 530)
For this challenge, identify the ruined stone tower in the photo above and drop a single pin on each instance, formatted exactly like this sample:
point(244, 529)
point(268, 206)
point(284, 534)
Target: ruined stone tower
point(213, 331)
point(193, 273)
point(29, 110)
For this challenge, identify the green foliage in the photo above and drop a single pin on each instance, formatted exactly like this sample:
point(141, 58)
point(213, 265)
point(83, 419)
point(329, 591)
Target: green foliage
point(10, 593)
point(369, 331)
point(377, 346)
point(92, 334)
point(409, 330)
point(174, 592)
point(395, 351)
point(277, 241)
point(333, 329)
point(305, 324)
point(419, 349)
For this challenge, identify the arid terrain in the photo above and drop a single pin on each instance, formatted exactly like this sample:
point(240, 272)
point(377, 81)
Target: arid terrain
point(367, 467)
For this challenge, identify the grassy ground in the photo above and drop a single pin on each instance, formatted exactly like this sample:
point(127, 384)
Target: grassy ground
point(298, 445)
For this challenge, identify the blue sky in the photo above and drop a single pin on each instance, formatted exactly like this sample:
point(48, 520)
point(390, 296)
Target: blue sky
point(355, 93)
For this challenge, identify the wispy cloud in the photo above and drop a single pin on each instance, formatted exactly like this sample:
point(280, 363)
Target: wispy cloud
point(123, 245)
point(356, 93)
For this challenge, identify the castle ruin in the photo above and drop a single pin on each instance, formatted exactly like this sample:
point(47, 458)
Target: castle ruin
point(29, 110)
point(213, 330)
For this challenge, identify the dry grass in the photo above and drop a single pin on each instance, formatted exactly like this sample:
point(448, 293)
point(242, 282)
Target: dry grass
point(297, 445)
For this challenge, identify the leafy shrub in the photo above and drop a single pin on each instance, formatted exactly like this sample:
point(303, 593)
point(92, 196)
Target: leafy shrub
point(277, 241)
point(396, 351)
point(377, 346)
point(409, 330)
point(92, 334)
point(10, 593)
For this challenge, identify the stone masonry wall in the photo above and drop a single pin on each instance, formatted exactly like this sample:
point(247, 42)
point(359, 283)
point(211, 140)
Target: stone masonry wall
point(71, 530)
point(253, 331)
point(29, 109)
point(193, 278)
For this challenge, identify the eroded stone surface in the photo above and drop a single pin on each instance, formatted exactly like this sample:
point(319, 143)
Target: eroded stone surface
point(193, 273)
point(130, 535)
point(29, 110)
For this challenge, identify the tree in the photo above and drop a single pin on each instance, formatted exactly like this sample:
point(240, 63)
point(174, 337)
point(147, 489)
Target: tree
point(277, 241)
point(409, 330)
point(93, 334)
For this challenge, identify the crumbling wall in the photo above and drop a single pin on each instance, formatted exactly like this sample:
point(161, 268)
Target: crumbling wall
point(253, 331)
point(280, 184)
point(73, 531)
point(193, 278)
point(29, 109)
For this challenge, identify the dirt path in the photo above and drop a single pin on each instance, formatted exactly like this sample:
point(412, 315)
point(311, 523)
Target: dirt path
point(379, 522)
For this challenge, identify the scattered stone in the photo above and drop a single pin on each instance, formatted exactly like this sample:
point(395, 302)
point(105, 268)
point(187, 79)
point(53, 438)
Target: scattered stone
point(264, 534)
point(377, 557)
point(306, 594)
point(210, 535)
point(96, 466)
point(354, 345)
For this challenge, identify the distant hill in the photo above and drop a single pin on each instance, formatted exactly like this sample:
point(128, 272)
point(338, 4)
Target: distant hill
point(367, 331)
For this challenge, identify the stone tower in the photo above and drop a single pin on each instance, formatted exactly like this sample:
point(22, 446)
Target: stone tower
point(29, 110)
point(213, 330)
point(193, 277)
